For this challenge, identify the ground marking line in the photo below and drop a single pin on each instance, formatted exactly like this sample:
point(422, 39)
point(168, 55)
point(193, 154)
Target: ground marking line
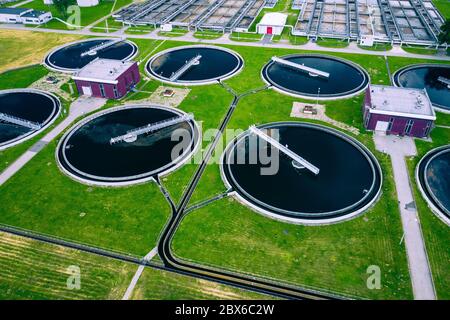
point(138, 274)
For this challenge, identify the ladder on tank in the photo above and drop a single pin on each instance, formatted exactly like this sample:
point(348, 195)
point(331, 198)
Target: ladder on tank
point(193, 62)
point(311, 71)
point(93, 51)
point(19, 121)
point(132, 135)
point(297, 160)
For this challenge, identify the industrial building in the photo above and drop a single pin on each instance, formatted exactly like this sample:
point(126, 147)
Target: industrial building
point(399, 111)
point(24, 16)
point(218, 15)
point(272, 23)
point(390, 21)
point(107, 78)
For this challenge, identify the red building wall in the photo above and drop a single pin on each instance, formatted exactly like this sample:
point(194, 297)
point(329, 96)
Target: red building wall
point(125, 81)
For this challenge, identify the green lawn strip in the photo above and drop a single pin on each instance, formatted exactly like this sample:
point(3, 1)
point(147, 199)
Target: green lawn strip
point(420, 50)
point(443, 6)
point(9, 4)
point(332, 43)
point(377, 47)
point(39, 271)
point(88, 14)
point(162, 285)
point(245, 37)
point(396, 63)
point(22, 77)
point(435, 232)
point(208, 35)
point(139, 30)
point(108, 25)
point(334, 258)
point(176, 32)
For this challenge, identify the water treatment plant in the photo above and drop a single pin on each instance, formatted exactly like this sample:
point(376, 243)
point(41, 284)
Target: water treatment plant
point(315, 76)
point(126, 145)
point(194, 65)
point(344, 180)
point(225, 149)
point(24, 113)
point(432, 77)
point(433, 175)
point(74, 56)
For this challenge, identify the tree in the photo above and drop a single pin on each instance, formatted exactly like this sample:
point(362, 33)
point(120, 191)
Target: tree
point(444, 36)
point(62, 5)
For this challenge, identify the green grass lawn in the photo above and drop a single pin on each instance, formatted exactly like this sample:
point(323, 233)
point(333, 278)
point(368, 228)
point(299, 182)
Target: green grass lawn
point(245, 37)
point(420, 50)
point(176, 32)
point(332, 43)
point(377, 47)
point(443, 7)
point(208, 35)
point(162, 285)
point(107, 25)
point(435, 232)
point(39, 271)
point(139, 30)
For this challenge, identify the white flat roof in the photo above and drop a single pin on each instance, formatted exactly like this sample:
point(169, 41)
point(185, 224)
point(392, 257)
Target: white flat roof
point(274, 19)
point(103, 70)
point(404, 102)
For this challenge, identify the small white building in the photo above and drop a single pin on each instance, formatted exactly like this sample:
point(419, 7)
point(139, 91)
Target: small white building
point(23, 15)
point(87, 3)
point(272, 23)
point(48, 2)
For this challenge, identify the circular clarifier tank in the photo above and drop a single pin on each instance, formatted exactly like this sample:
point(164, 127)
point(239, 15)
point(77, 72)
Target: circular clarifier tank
point(347, 182)
point(434, 78)
point(315, 76)
point(74, 56)
point(128, 145)
point(194, 65)
point(25, 113)
point(433, 177)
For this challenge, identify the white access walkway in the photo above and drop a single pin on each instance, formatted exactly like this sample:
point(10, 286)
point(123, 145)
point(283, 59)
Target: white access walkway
point(138, 274)
point(79, 107)
point(398, 148)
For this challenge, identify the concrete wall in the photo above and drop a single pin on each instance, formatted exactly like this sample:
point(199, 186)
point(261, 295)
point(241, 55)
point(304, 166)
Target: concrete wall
point(125, 81)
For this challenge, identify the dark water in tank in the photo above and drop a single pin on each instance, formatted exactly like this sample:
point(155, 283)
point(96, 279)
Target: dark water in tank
point(344, 78)
point(345, 175)
point(438, 178)
point(215, 63)
point(89, 149)
point(69, 57)
point(426, 77)
point(25, 105)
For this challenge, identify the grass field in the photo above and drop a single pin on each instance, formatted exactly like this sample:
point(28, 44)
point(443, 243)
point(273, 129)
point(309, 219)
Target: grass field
point(162, 285)
point(34, 270)
point(436, 233)
point(225, 233)
point(13, 42)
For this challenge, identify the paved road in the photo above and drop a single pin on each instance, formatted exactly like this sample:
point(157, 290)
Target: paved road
point(419, 269)
point(79, 107)
point(352, 48)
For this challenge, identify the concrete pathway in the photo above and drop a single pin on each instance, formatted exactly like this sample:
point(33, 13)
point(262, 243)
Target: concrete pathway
point(352, 49)
point(419, 269)
point(79, 107)
point(20, 4)
point(138, 273)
